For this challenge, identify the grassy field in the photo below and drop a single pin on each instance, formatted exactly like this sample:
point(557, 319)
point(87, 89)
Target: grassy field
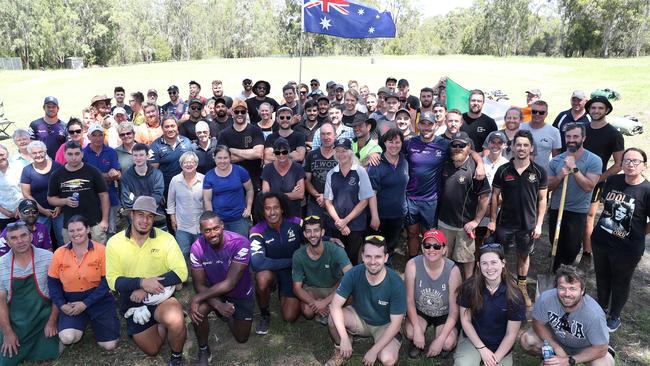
point(306, 342)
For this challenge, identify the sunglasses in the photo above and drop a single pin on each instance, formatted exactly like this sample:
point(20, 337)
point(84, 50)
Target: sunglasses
point(313, 84)
point(247, 84)
point(173, 93)
point(239, 111)
point(375, 237)
point(284, 117)
point(281, 152)
point(459, 145)
point(541, 113)
point(302, 92)
point(564, 323)
point(75, 132)
point(125, 134)
point(195, 108)
point(29, 212)
point(435, 246)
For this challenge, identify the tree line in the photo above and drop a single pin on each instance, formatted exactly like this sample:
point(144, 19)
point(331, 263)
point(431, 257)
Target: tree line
point(105, 32)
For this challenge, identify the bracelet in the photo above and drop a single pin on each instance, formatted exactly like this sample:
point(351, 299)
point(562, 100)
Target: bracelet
point(478, 348)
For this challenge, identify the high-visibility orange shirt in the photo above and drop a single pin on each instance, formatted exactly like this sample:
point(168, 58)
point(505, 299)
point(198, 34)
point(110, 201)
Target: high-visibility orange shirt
point(79, 276)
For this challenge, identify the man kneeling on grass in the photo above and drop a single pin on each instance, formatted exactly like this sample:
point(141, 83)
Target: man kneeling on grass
point(222, 282)
point(317, 269)
point(144, 264)
point(377, 310)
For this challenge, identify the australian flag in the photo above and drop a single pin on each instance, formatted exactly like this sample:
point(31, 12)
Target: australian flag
point(346, 19)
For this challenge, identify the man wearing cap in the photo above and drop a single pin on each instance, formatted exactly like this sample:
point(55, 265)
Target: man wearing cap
point(217, 92)
point(136, 101)
point(247, 92)
point(245, 142)
point(222, 119)
point(377, 309)
point(49, 128)
point(261, 88)
point(519, 186)
point(310, 123)
point(102, 106)
point(391, 84)
point(317, 164)
point(314, 84)
point(475, 123)
point(412, 102)
point(532, 96)
point(330, 89)
point(387, 120)
point(607, 142)
point(80, 189)
point(28, 213)
point(465, 202)
point(142, 262)
point(175, 106)
point(339, 92)
point(296, 139)
point(494, 146)
point(316, 270)
point(363, 146)
point(119, 94)
point(547, 138)
point(152, 96)
point(188, 127)
point(104, 158)
point(335, 115)
point(120, 115)
point(149, 131)
point(577, 113)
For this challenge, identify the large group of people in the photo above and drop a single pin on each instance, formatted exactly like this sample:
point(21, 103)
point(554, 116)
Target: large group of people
point(106, 216)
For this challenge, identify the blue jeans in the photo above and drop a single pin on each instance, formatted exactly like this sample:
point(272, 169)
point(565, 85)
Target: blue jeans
point(58, 227)
point(185, 241)
point(239, 226)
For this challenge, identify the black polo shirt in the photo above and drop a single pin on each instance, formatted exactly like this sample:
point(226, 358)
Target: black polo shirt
point(460, 193)
point(206, 156)
point(254, 103)
point(478, 129)
point(520, 194)
point(309, 133)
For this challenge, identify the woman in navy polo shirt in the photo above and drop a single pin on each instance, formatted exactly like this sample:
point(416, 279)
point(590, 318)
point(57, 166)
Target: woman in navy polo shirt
point(491, 312)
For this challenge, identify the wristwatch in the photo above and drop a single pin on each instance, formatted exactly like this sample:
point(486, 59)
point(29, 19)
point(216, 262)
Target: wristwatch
point(572, 361)
point(574, 170)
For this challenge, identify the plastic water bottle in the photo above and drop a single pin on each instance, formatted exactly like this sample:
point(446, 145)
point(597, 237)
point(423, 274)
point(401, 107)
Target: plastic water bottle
point(547, 350)
point(75, 196)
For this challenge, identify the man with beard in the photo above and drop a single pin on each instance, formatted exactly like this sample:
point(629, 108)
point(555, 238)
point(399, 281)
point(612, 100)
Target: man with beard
point(476, 124)
point(317, 269)
point(296, 139)
point(522, 185)
point(387, 120)
point(261, 88)
point(175, 106)
point(314, 84)
point(49, 128)
point(412, 102)
point(547, 138)
point(273, 242)
point(222, 281)
point(465, 201)
point(605, 141)
point(142, 262)
point(571, 321)
point(188, 128)
point(247, 92)
point(426, 100)
point(339, 92)
point(323, 108)
point(336, 118)
point(28, 213)
point(119, 94)
point(221, 120)
point(217, 92)
point(577, 113)
point(317, 164)
point(582, 168)
point(148, 132)
point(310, 124)
point(364, 147)
point(377, 309)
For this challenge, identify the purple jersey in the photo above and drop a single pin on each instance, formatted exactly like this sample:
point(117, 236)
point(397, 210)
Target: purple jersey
point(40, 239)
point(425, 167)
point(216, 264)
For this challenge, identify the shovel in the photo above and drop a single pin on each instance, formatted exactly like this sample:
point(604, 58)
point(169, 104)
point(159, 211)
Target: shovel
point(547, 281)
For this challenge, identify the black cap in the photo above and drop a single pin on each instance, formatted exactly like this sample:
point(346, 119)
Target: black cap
point(219, 100)
point(390, 78)
point(196, 101)
point(391, 95)
point(172, 88)
point(343, 142)
point(461, 136)
point(27, 204)
point(600, 99)
point(280, 143)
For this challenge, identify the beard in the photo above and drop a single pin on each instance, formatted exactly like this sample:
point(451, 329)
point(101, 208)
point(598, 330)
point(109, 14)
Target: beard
point(458, 157)
point(573, 146)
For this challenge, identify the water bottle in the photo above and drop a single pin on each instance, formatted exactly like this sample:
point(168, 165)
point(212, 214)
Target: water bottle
point(75, 197)
point(547, 351)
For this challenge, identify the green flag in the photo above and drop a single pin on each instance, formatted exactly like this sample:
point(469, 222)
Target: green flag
point(457, 96)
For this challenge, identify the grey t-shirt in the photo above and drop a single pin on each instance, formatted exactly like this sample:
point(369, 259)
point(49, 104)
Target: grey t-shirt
point(546, 139)
point(587, 323)
point(576, 200)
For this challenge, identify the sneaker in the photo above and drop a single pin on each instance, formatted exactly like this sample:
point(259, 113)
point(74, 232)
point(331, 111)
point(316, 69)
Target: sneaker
point(613, 324)
point(176, 361)
point(263, 325)
point(414, 352)
point(336, 359)
point(205, 357)
point(524, 290)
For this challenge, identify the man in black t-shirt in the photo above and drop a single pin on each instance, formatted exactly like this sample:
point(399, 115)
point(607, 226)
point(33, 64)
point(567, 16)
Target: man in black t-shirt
point(310, 124)
point(296, 139)
point(317, 164)
point(89, 185)
point(221, 119)
point(188, 127)
point(477, 125)
point(245, 142)
point(217, 92)
point(412, 102)
point(261, 89)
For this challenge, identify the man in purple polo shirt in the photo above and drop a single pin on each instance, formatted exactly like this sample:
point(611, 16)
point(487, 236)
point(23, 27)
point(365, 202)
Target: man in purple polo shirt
point(28, 213)
point(220, 275)
point(104, 158)
point(49, 128)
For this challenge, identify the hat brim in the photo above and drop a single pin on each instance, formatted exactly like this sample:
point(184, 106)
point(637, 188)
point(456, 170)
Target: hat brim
point(266, 83)
point(145, 210)
point(606, 101)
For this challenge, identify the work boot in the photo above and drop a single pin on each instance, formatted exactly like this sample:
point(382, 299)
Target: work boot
point(337, 358)
point(524, 290)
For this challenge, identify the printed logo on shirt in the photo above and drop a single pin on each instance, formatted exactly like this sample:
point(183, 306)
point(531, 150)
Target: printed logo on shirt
point(327, 266)
point(291, 235)
point(438, 153)
point(461, 180)
point(532, 177)
point(575, 329)
point(382, 302)
point(617, 214)
point(247, 141)
point(241, 254)
point(155, 250)
point(509, 178)
point(74, 185)
point(352, 181)
point(480, 129)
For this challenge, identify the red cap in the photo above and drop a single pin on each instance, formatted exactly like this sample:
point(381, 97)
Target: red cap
point(436, 234)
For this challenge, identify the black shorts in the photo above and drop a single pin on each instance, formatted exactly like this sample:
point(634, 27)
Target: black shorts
point(597, 192)
point(520, 239)
point(243, 308)
point(285, 282)
point(433, 320)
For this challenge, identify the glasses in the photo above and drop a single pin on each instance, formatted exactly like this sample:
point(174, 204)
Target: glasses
point(29, 212)
point(313, 84)
point(125, 134)
point(435, 246)
point(303, 92)
point(284, 117)
point(460, 145)
point(239, 111)
point(564, 323)
point(247, 84)
point(490, 246)
point(633, 162)
point(195, 108)
point(535, 111)
point(281, 152)
point(75, 132)
point(173, 93)
point(375, 237)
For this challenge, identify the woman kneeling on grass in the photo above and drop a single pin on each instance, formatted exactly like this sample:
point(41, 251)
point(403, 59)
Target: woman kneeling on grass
point(491, 312)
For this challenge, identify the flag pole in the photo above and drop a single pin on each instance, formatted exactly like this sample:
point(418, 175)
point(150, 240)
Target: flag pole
point(302, 31)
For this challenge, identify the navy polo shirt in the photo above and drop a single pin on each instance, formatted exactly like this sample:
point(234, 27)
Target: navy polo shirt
point(389, 181)
point(520, 193)
point(105, 161)
point(491, 321)
point(460, 193)
point(167, 156)
point(346, 191)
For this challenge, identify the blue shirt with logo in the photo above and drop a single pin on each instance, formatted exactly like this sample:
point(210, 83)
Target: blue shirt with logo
point(425, 160)
point(167, 156)
point(105, 161)
point(273, 249)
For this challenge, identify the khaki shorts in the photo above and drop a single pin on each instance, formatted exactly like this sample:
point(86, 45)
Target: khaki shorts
point(467, 354)
point(96, 234)
point(363, 329)
point(319, 292)
point(460, 247)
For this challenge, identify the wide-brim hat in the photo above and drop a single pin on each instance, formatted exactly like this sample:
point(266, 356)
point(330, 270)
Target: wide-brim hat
point(600, 99)
point(266, 83)
point(147, 204)
point(363, 118)
point(99, 98)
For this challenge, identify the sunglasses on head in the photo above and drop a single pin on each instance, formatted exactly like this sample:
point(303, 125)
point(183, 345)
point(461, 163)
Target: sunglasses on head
point(459, 145)
point(239, 111)
point(18, 223)
point(281, 152)
point(436, 246)
point(75, 132)
point(535, 111)
point(490, 246)
point(312, 217)
point(375, 237)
